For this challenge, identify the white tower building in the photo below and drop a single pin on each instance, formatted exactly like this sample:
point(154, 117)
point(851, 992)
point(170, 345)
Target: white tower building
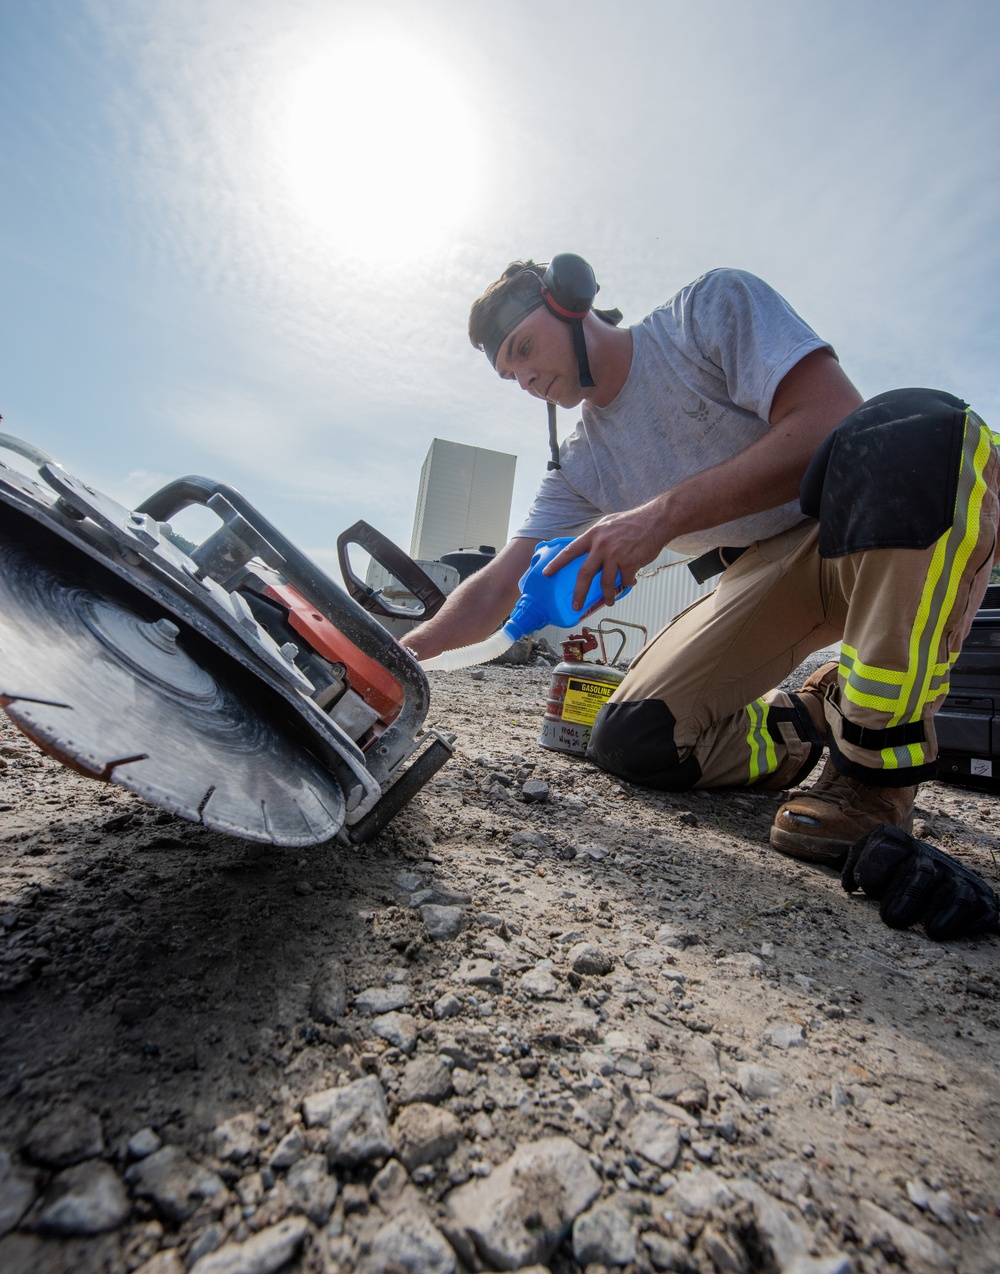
point(463, 501)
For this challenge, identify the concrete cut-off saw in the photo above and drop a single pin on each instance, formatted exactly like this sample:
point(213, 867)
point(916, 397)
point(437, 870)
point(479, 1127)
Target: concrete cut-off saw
point(231, 682)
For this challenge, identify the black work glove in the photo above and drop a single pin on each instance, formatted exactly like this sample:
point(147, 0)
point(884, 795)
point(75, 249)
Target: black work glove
point(914, 881)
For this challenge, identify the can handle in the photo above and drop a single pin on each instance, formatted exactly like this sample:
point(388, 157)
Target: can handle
point(616, 626)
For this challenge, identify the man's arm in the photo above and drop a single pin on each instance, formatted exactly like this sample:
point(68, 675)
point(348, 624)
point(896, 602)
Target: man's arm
point(809, 401)
point(477, 607)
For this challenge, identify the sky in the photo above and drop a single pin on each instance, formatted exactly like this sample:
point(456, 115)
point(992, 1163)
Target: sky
point(240, 238)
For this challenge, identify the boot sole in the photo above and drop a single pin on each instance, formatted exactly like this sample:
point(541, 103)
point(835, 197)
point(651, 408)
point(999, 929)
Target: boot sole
point(810, 849)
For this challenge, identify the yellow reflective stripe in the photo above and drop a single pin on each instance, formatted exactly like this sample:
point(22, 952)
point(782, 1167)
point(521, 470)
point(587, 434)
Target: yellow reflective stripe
point(759, 739)
point(753, 744)
point(869, 670)
point(852, 670)
point(866, 685)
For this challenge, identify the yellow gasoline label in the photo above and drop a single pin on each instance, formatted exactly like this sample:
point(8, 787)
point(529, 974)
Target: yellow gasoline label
point(585, 698)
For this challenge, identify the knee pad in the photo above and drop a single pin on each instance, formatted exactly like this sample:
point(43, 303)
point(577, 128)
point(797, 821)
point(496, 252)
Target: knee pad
point(636, 741)
point(887, 476)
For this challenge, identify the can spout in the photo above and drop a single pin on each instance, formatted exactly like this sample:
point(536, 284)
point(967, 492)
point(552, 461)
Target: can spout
point(465, 656)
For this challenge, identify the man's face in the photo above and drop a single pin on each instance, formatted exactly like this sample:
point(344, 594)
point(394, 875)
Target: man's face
point(538, 354)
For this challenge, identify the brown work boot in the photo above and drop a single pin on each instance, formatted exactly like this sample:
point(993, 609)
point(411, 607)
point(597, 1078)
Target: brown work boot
point(813, 692)
point(822, 822)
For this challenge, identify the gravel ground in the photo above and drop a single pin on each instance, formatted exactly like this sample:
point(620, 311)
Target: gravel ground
point(546, 1021)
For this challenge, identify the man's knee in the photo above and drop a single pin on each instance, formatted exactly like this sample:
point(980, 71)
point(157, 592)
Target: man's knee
point(635, 740)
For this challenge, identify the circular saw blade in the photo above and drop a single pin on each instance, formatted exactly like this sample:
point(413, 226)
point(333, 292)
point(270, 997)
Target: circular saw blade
point(118, 696)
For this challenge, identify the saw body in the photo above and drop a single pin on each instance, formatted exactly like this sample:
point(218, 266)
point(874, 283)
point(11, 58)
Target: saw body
point(232, 683)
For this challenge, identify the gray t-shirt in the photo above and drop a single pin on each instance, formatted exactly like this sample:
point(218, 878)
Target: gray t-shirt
point(704, 370)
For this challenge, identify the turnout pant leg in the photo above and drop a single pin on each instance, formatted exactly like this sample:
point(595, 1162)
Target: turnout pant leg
point(908, 613)
point(696, 709)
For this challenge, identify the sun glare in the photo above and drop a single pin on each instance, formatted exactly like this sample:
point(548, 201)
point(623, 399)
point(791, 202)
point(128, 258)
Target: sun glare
point(380, 148)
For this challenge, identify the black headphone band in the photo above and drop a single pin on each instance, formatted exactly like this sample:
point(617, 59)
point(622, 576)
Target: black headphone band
point(567, 290)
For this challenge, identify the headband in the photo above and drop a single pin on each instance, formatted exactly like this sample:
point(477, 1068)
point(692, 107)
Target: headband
point(523, 295)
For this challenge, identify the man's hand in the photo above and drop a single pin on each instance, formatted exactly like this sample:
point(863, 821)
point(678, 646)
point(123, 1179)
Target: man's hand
point(621, 542)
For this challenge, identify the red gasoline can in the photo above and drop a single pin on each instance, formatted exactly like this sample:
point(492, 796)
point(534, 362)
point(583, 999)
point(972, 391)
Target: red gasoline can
point(577, 692)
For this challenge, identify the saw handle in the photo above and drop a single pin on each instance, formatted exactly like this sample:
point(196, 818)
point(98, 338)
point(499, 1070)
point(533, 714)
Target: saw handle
point(398, 563)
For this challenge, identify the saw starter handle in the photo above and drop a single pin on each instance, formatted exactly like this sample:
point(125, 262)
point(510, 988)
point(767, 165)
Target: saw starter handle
point(398, 563)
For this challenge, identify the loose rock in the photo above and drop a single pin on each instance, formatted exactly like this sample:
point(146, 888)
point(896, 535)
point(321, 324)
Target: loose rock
point(441, 896)
point(426, 1079)
point(388, 1185)
point(759, 1081)
point(664, 1253)
point(265, 1253)
point(442, 923)
point(168, 1262)
point(88, 1198)
point(399, 1029)
point(424, 1134)
point(604, 1234)
point(788, 1240)
point(176, 1184)
point(210, 1239)
point(882, 1229)
point(288, 1150)
point(328, 1001)
point(383, 999)
point(358, 1122)
point(312, 1188)
point(697, 1193)
point(681, 1087)
point(785, 1035)
point(143, 1143)
point(937, 1202)
point(535, 790)
point(588, 959)
point(479, 972)
point(448, 1006)
point(235, 1140)
point(517, 1215)
point(596, 853)
point(540, 984)
point(409, 1243)
point(656, 1137)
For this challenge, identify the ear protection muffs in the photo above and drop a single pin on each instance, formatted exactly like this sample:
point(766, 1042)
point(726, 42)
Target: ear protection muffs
point(568, 289)
point(569, 286)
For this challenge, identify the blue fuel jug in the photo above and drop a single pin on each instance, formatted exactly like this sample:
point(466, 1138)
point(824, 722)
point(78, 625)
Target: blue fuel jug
point(548, 599)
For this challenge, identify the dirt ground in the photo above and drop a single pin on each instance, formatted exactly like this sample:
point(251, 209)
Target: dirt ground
point(163, 977)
